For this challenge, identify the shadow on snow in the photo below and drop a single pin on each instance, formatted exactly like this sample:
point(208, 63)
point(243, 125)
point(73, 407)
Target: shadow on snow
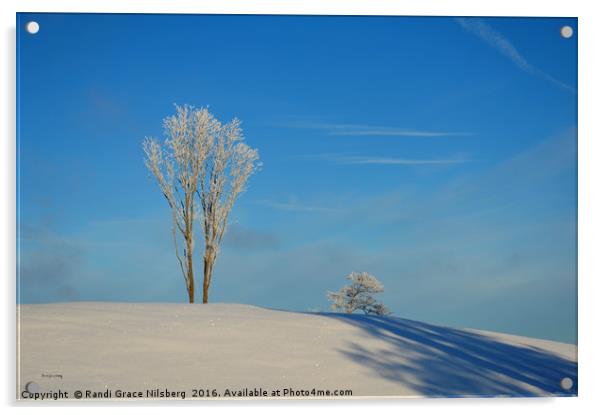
point(442, 361)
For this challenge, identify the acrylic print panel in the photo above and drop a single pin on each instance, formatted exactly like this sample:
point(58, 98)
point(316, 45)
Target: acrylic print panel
point(215, 206)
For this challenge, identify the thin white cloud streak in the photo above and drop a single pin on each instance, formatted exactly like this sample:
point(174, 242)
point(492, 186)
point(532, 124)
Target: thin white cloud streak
point(361, 130)
point(395, 161)
point(494, 39)
point(347, 159)
point(297, 207)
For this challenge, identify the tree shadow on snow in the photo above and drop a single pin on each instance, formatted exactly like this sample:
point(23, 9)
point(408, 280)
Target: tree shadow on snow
point(445, 362)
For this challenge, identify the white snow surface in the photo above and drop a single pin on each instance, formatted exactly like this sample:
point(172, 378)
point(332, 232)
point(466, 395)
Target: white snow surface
point(143, 346)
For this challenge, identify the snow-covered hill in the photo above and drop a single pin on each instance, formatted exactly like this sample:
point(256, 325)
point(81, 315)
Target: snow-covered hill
point(230, 349)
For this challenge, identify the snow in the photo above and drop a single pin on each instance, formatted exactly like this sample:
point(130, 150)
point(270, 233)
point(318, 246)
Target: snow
point(181, 347)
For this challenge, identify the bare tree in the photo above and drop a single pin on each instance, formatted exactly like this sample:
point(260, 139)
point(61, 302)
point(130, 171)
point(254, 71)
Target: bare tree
point(224, 178)
point(358, 295)
point(203, 158)
point(177, 166)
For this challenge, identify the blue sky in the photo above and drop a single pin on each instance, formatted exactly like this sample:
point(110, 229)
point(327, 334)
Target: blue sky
point(438, 154)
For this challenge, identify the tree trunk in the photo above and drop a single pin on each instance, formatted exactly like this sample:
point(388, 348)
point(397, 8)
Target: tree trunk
point(208, 269)
point(190, 271)
point(191, 291)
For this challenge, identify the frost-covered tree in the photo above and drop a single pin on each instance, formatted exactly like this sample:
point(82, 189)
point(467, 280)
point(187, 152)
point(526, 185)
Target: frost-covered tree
point(177, 166)
point(223, 178)
point(359, 295)
point(201, 168)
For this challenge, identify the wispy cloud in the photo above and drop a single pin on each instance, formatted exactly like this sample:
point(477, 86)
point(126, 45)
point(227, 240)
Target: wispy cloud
point(361, 130)
point(297, 207)
point(349, 159)
point(243, 238)
point(496, 40)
